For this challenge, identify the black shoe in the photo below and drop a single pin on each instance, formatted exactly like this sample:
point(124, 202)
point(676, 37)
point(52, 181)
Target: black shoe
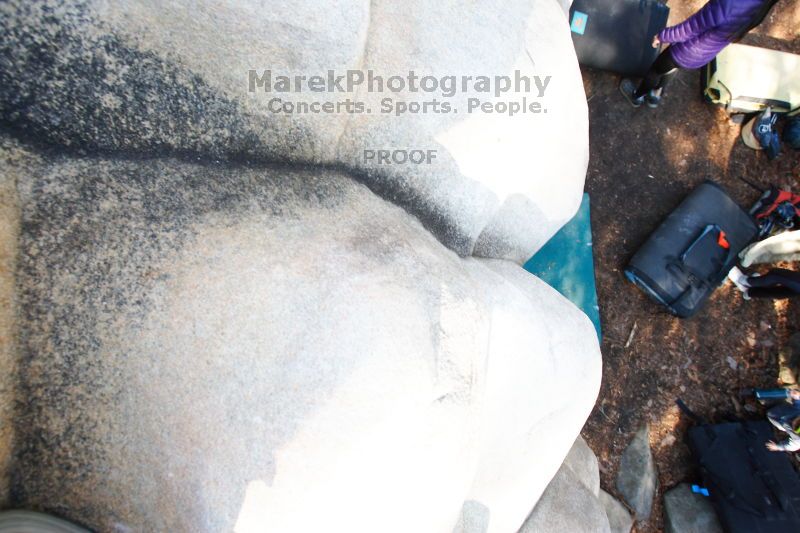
point(627, 88)
point(653, 98)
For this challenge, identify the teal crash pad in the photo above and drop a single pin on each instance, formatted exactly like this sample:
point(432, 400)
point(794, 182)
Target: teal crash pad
point(566, 263)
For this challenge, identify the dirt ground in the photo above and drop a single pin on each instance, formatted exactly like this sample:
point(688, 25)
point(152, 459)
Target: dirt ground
point(643, 162)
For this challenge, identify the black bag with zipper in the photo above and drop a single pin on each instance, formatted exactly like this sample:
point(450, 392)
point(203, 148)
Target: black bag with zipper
point(617, 35)
point(753, 490)
point(692, 251)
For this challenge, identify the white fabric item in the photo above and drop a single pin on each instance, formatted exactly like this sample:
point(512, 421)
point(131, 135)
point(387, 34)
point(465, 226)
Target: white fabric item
point(781, 247)
point(738, 278)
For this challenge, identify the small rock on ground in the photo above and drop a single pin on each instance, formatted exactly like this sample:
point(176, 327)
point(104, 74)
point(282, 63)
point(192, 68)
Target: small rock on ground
point(619, 518)
point(637, 477)
point(687, 512)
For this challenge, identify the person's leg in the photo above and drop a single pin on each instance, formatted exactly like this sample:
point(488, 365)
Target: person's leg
point(777, 283)
point(775, 422)
point(781, 417)
point(780, 276)
point(774, 293)
point(662, 70)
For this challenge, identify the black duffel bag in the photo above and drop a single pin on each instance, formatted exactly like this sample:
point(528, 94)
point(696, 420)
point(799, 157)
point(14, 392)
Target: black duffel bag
point(692, 251)
point(617, 35)
point(753, 490)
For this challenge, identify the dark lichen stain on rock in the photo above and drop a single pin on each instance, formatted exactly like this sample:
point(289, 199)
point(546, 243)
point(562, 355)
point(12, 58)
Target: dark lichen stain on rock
point(64, 80)
point(94, 232)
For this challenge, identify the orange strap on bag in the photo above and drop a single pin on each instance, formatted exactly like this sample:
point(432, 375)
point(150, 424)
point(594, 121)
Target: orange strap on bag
point(722, 241)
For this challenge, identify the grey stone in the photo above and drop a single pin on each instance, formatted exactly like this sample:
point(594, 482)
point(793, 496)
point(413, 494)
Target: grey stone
point(583, 463)
point(475, 518)
point(200, 342)
point(567, 506)
point(512, 162)
point(687, 512)
point(219, 307)
point(572, 501)
point(619, 518)
point(18, 521)
point(9, 233)
point(134, 77)
point(637, 477)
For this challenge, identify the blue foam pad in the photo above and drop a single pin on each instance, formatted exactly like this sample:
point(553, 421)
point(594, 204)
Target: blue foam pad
point(566, 263)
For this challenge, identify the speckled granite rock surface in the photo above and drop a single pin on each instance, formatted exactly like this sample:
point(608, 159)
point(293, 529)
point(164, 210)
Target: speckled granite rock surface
point(223, 318)
point(172, 78)
point(190, 334)
point(571, 502)
point(9, 231)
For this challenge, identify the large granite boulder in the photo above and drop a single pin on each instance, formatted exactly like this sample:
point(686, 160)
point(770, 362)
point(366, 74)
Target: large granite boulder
point(206, 347)
point(174, 77)
point(9, 230)
point(226, 317)
point(571, 503)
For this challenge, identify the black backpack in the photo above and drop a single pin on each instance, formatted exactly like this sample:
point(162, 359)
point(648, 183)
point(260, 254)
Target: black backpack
point(692, 251)
point(617, 35)
point(752, 489)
